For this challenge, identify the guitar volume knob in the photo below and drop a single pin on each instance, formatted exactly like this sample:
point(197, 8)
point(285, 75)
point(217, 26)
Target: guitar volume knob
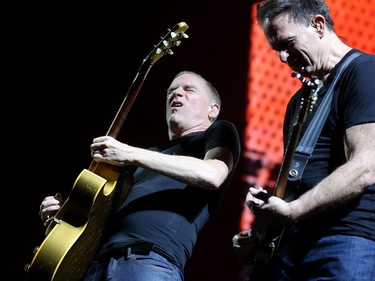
point(293, 173)
point(36, 249)
point(27, 267)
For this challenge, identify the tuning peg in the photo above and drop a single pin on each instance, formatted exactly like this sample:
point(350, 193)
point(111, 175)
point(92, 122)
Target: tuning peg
point(170, 52)
point(158, 51)
point(173, 35)
point(185, 35)
point(178, 43)
point(165, 43)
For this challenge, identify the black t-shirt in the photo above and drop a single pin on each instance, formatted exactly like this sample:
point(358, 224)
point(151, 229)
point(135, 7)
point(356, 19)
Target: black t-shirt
point(166, 212)
point(353, 103)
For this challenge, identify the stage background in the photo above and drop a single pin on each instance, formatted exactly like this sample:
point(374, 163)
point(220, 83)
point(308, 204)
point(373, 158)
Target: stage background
point(67, 69)
point(269, 87)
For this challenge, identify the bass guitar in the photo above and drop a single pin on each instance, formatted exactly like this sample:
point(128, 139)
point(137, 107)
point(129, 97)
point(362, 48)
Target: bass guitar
point(74, 234)
point(270, 236)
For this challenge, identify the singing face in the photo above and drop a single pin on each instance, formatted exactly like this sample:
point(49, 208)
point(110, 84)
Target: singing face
point(188, 105)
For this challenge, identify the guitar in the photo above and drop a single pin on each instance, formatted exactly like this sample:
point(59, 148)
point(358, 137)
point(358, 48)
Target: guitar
point(74, 234)
point(271, 236)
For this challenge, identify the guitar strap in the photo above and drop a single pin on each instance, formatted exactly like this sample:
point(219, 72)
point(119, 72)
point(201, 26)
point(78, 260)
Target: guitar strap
point(306, 146)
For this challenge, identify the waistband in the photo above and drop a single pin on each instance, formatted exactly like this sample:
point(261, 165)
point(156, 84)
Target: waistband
point(137, 249)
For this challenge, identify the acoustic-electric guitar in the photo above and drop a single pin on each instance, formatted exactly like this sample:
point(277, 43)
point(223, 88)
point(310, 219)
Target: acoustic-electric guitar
point(74, 234)
point(271, 236)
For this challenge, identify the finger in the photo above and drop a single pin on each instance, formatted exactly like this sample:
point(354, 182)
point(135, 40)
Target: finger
point(254, 207)
point(58, 197)
point(259, 194)
point(250, 200)
point(49, 210)
point(240, 238)
point(51, 200)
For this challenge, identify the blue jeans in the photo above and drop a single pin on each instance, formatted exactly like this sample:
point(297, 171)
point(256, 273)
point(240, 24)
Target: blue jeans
point(134, 267)
point(330, 258)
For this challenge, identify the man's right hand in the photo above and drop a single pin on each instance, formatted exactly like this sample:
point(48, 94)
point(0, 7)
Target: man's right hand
point(49, 207)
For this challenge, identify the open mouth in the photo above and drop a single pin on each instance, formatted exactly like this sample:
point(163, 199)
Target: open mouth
point(176, 104)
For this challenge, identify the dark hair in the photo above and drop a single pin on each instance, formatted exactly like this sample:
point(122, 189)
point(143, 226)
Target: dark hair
point(301, 11)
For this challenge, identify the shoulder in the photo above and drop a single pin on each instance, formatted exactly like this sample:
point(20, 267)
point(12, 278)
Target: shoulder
point(223, 124)
point(362, 63)
point(355, 90)
point(222, 128)
point(224, 133)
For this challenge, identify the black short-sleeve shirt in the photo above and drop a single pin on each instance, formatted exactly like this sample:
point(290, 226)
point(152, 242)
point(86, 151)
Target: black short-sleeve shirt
point(353, 103)
point(166, 212)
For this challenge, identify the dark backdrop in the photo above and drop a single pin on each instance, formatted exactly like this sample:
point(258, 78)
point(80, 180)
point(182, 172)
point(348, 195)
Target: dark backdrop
point(68, 69)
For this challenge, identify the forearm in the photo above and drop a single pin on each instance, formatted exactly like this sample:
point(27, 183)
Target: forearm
point(208, 174)
point(348, 181)
point(343, 185)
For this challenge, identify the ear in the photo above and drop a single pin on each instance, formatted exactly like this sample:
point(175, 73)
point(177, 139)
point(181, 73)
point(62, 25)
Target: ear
point(318, 23)
point(214, 110)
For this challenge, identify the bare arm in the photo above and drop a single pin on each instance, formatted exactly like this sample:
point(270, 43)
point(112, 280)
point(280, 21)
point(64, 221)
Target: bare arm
point(344, 184)
point(208, 173)
point(349, 180)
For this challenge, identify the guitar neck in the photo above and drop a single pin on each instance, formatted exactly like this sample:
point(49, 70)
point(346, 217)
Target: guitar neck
point(308, 91)
point(106, 170)
point(281, 184)
point(171, 39)
point(128, 101)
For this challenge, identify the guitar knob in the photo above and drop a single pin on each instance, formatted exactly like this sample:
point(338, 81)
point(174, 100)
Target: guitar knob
point(27, 267)
point(293, 173)
point(271, 245)
point(36, 249)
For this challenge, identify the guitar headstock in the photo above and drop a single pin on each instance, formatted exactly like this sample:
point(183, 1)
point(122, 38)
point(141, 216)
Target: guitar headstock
point(171, 39)
point(312, 84)
point(309, 95)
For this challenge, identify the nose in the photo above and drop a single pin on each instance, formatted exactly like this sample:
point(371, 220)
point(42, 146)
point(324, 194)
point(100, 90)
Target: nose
point(178, 91)
point(283, 55)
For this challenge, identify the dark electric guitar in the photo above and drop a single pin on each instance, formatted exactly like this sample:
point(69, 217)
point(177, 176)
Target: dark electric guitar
point(270, 236)
point(74, 234)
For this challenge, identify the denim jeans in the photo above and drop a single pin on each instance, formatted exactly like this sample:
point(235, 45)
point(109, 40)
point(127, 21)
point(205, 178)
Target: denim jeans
point(134, 267)
point(331, 258)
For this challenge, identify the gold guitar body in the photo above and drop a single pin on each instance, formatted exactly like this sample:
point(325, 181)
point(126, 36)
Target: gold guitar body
point(72, 241)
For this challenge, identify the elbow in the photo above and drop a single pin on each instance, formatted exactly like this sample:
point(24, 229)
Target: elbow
point(214, 175)
point(217, 178)
point(368, 177)
point(214, 184)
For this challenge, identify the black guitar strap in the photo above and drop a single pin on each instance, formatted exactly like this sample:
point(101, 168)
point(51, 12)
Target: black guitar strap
point(306, 146)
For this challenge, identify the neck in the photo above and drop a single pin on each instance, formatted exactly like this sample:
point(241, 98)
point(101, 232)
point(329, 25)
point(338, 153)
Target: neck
point(175, 133)
point(338, 49)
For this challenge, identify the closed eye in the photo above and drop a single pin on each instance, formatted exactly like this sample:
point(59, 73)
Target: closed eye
point(284, 45)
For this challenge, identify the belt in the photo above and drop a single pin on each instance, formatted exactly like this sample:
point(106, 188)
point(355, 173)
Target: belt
point(142, 249)
point(136, 249)
point(146, 248)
